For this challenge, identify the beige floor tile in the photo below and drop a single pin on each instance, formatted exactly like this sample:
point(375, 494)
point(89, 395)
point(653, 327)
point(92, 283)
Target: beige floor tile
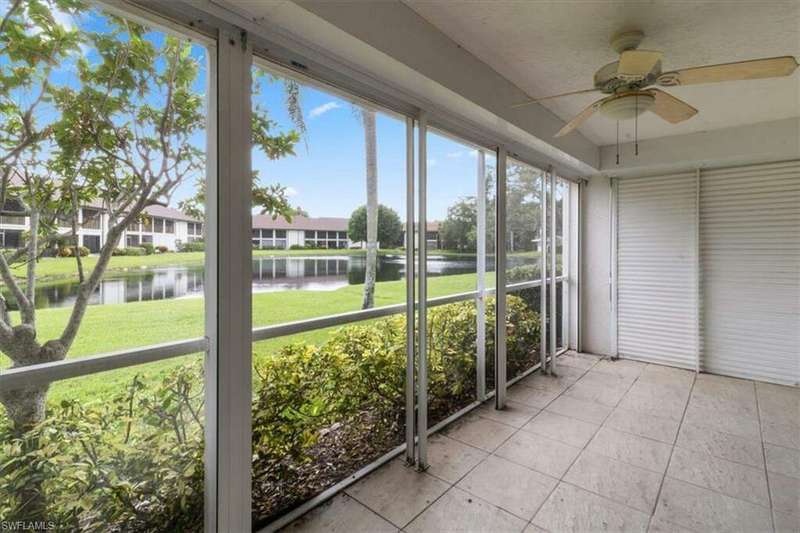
point(397, 492)
point(460, 511)
point(785, 493)
point(548, 383)
point(631, 449)
point(734, 479)
point(700, 438)
point(782, 460)
point(532, 397)
point(479, 432)
point(450, 459)
point(656, 399)
point(591, 392)
point(544, 455)
point(515, 414)
point(659, 525)
point(597, 377)
point(778, 404)
point(644, 425)
point(570, 508)
point(618, 481)
point(786, 523)
point(734, 396)
point(507, 485)
point(562, 428)
point(620, 367)
point(667, 375)
point(342, 514)
point(577, 360)
point(703, 510)
point(723, 421)
point(568, 372)
point(787, 435)
point(592, 412)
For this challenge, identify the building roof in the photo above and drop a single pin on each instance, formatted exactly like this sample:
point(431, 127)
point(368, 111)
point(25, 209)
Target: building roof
point(300, 223)
point(168, 212)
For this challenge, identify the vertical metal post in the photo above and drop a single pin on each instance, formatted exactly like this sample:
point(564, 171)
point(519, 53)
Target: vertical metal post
point(422, 231)
point(543, 274)
point(480, 300)
point(410, 385)
point(228, 266)
point(500, 285)
point(553, 254)
point(566, 263)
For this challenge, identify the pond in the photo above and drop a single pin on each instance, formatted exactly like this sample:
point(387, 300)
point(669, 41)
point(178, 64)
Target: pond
point(270, 274)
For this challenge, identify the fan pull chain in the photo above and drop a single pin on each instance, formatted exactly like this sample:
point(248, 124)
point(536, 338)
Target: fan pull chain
point(618, 142)
point(636, 127)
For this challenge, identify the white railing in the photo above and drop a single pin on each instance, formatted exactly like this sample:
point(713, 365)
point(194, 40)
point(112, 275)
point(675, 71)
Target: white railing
point(71, 368)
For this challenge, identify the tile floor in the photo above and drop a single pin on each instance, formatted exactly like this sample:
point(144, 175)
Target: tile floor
point(606, 446)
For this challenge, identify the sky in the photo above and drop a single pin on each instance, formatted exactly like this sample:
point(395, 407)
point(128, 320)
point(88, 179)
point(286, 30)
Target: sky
point(326, 176)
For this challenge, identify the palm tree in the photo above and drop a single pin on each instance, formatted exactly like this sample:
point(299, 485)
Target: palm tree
point(371, 159)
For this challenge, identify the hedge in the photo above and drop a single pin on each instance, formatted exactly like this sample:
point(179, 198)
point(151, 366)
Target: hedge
point(134, 462)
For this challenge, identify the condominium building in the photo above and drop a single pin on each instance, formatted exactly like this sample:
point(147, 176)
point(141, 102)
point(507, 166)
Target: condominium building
point(308, 232)
point(161, 226)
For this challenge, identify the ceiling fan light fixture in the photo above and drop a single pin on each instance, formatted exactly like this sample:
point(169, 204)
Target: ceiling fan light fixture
point(627, 106)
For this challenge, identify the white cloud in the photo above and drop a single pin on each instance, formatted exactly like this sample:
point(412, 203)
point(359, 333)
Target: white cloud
point(432, 162)
point(322, 109)
point(455, 155)
point(291, 191)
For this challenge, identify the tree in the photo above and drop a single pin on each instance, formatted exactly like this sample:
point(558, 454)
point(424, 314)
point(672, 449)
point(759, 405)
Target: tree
point(459, 230)
point(390, 228)
point(371, 163)
point(122, 136)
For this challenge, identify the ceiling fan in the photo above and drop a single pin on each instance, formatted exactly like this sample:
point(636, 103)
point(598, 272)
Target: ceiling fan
point(628, 82)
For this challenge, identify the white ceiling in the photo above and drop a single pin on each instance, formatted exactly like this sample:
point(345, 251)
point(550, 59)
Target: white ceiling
point(553, 47)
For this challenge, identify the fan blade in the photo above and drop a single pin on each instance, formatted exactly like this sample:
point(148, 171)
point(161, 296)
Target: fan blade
point(773, 67)
point(637, 64)
point(582, 117)
point(536, 100)
point(670, 108)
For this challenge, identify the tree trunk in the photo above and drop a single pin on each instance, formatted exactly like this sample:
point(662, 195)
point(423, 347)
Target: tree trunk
point(371, 158)
point(25, 408)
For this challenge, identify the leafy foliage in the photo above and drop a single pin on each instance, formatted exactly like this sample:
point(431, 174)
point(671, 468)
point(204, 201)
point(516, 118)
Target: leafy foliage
point(135, 461)
point(390, 228)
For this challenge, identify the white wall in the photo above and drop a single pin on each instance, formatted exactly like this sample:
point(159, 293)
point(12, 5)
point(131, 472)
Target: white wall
point(596, 262)
point(778, 140)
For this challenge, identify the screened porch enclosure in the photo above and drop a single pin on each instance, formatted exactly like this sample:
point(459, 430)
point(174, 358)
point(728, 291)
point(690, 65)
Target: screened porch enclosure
point(394, 298)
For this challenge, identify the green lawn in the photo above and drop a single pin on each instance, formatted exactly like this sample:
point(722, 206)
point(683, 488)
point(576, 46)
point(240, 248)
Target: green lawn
point(116, 327)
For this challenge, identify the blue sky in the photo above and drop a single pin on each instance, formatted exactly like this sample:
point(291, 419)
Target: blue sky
point(326, 177)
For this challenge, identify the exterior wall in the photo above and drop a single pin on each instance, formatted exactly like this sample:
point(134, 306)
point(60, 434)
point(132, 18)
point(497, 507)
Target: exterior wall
point(295, 237)
point(596, 262)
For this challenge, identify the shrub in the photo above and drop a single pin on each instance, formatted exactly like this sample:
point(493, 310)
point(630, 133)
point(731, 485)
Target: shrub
point(130, 463)
point(84, 251)
point(196, 246)
point(296, 247)
point(162, 249)
point(148, 248)
point(65, 251)
point(133, 250)
point(137, 459)
point(522, 273)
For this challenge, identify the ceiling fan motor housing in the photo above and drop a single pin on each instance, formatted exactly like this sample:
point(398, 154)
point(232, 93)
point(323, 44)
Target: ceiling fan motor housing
point(627, 105)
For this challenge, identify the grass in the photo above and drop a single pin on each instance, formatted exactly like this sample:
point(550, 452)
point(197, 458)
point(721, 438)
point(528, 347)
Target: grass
point(110, 328)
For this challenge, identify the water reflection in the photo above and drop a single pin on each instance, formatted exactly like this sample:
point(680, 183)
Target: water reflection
point(270, 274)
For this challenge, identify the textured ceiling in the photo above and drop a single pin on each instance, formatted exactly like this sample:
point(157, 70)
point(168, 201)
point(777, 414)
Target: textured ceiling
point(554, 47)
